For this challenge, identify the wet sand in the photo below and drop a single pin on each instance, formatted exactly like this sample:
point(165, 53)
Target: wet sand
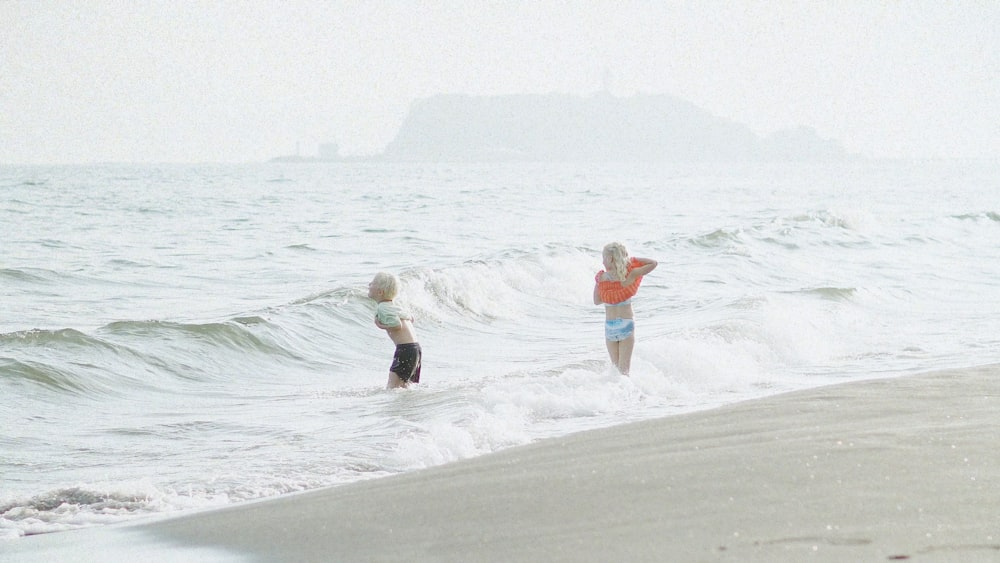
point(904, 469)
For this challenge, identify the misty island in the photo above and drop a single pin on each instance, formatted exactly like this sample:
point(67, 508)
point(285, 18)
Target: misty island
point(601, 127)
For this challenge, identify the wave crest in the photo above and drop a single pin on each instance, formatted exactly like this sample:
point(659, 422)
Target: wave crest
point(230, 335)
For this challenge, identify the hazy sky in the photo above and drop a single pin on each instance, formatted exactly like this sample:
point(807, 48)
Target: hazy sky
point(192, 81)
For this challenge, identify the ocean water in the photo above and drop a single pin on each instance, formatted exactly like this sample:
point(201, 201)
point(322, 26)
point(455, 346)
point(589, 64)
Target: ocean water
point(179, 337)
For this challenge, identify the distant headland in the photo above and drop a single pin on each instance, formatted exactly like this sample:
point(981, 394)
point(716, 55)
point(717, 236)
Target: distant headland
point(601, 128)
point(328, 152)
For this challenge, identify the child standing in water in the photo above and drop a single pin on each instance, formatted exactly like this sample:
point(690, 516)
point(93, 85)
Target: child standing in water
point(398, 323)
point(614, 287)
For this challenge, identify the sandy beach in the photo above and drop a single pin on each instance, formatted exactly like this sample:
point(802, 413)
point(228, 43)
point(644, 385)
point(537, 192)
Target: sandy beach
point(882, 470)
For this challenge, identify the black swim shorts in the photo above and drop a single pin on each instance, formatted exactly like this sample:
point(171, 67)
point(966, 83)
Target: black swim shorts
point(406, 362)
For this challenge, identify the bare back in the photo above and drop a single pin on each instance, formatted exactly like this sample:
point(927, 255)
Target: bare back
point(404, 333)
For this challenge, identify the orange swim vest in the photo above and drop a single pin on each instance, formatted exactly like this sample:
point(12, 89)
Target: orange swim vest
point(612, 292)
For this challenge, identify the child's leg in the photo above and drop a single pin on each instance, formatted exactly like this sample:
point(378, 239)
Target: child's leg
point(394, 381)
point(613, 351)
point(625, 348)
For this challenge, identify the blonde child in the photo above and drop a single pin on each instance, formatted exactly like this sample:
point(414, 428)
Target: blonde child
point(398, 324)
point(614, 287)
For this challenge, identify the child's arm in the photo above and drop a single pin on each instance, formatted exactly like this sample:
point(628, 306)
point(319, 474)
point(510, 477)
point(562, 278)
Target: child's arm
point(648, 265)
point(597, 290)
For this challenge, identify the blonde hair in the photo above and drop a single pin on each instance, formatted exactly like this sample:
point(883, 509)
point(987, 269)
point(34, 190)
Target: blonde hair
point(618, 255)
point(387, 283)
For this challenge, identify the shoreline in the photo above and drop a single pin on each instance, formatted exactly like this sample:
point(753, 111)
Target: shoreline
point(885, 469)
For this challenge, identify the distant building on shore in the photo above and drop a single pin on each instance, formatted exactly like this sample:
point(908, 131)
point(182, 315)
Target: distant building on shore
point(329, 151)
